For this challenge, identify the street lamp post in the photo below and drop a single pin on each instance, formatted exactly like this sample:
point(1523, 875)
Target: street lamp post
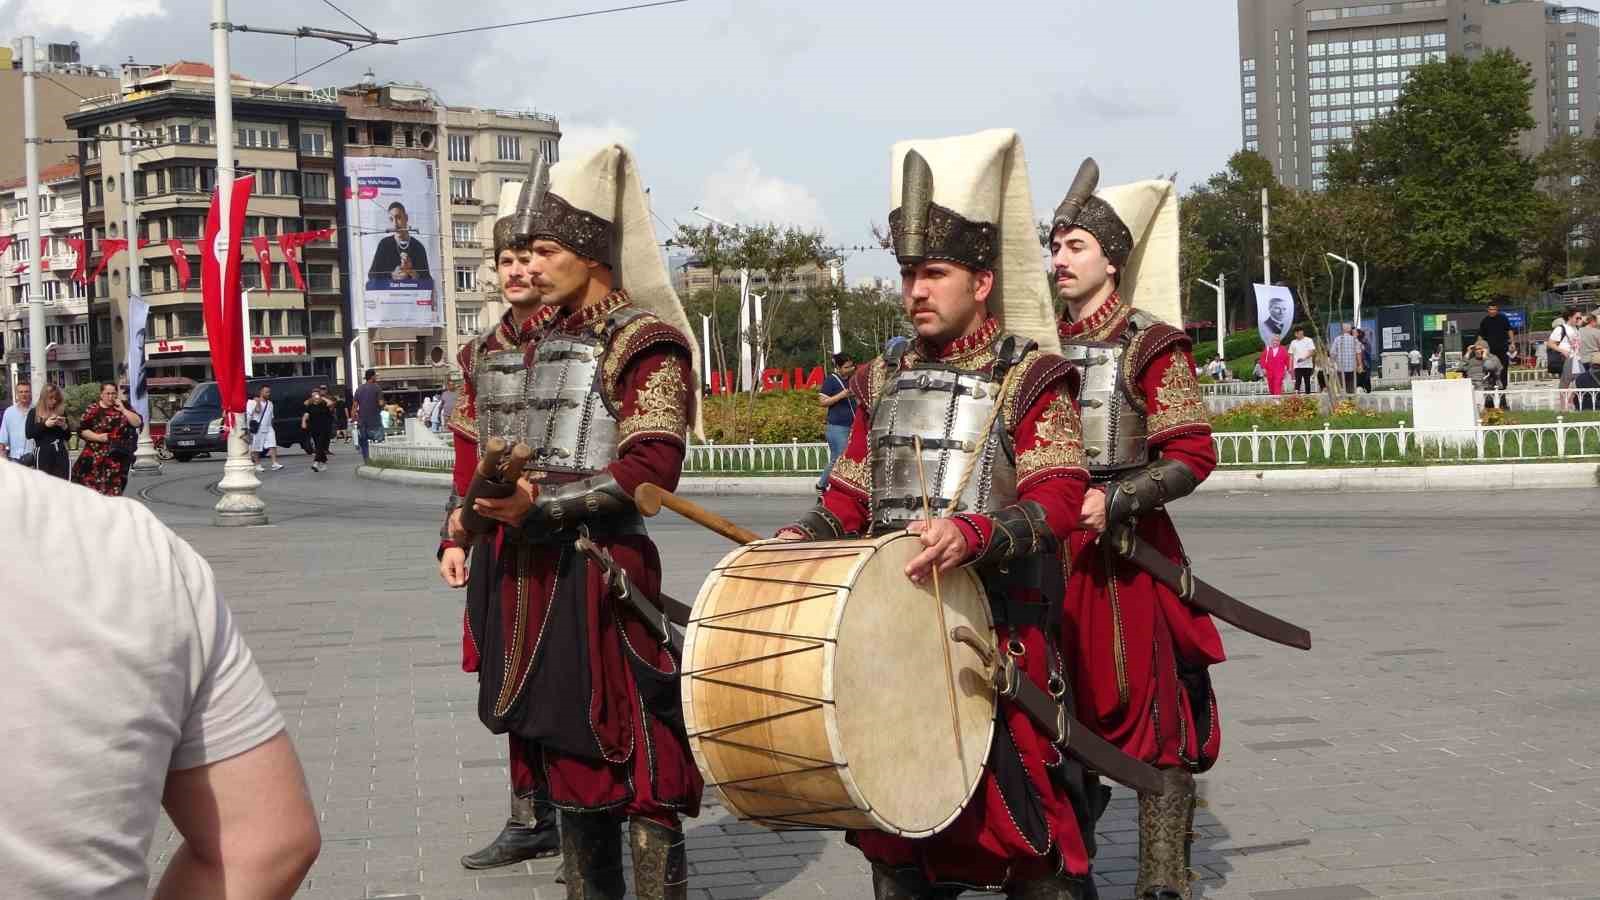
point(1220, 287)
point(145, 461)
point(747, 372)
point(1356, 273)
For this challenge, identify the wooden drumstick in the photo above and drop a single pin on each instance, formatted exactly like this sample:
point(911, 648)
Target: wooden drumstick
point(520, 454)
point(938, 602)
point(649, 499)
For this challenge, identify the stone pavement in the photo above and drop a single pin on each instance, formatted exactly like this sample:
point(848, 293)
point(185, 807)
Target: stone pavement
point(1440, 741)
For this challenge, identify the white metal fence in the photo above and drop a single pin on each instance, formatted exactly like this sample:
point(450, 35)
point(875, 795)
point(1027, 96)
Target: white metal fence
point(1319, 446)
point(1404, 444)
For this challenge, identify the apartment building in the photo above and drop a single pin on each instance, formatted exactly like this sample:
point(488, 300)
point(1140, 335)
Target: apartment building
point(66, 304)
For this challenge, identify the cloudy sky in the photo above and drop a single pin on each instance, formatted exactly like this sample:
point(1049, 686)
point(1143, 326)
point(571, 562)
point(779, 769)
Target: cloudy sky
point(764, 110)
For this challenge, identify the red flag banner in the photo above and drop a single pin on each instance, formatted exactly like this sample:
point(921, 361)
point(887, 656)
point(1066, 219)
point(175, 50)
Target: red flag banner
point(5, 242)
point(289, 243)
point(143, 243)
point(321, 234)
point(82, 268)
point(263, 248)
point(219, 286)
point(109, 247)
point(180, 260)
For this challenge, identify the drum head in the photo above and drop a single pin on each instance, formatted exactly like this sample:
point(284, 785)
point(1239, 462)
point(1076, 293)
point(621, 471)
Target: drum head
point(912, 759)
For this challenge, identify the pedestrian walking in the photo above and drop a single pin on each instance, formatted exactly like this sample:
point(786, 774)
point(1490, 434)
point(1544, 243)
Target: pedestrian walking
point(1363, 361)
point(129, 691)
point(47, 428)
point(1414, 362)
point(447, 406)
point(1302, 350)
point(425, 410)
point(110, 434)
point(367, 411)
point(317, 423)
point(258, 414)
point(841, 409)
point(1558, 350)
point(1276, 363)
point(14, 442)
point(1346, 352)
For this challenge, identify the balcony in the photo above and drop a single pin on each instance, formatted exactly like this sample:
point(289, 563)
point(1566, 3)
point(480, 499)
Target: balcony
point(468, 245)
point(465, 201)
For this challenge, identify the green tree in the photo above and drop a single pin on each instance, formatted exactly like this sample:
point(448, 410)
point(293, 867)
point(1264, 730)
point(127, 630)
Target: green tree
point(1220, 231)
point(1447, 161)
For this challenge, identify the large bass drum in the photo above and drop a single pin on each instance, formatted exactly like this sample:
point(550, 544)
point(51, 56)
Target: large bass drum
point(816, 693)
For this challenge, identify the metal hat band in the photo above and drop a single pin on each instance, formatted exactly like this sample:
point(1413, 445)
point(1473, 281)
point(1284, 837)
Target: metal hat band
point(505, 234)
point(584, 233)
point(1099, 219)
point(950, 237)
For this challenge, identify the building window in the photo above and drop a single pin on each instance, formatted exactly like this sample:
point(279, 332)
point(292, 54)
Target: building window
point(1337, 82)
point(1316, 49)
point(1572, 49)
point(1435, 39)
point(382, 135)
point(1317, 66)
point(1572, 81)
point(1252, 146)
point(1411, 42)
point(1388, 78)
point(466, 321)
point(1388, 61)
point(1338, 48)
point(1365, 79)
point(267, 181)
point(1319, 100)
point(1572, 115)
point(460, 148)
point(314, 186)
point(394, 353)
point(320, 279)
point(550, 149)
point(313, 143)
point(324, 323)
point(1249, 81)
point(509, 146)
point(1435, 56)
point(466, 278)
point(1250, 97)
point(463, 232)
point(1319, 117)
point(1319, 151)
point(1318, 84)
point(1574, 130)
point(1338, 65)
point(460, 188)
point(1572, 98)
point(1250, 131)
point(1360, 63)
point(1249, 113)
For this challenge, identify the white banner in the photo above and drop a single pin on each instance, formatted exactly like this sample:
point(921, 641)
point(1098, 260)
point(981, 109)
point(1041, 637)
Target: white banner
point(1274, 312)
point(392, 207)
point(138, 324)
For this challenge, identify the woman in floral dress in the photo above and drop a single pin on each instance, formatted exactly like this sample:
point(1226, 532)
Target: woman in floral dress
point(108, 430)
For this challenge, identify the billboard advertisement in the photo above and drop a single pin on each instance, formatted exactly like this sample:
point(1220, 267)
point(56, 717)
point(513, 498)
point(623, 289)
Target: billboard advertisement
point(392, 207)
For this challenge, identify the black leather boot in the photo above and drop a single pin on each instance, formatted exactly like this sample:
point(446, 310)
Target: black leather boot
point(660, 862)
point(530, 833)
point(1054, 887)
point(591, 856)
point(1166, 829)
point(905, 884)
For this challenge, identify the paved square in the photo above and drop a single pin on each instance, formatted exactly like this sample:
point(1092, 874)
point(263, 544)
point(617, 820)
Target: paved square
point(1439, 741)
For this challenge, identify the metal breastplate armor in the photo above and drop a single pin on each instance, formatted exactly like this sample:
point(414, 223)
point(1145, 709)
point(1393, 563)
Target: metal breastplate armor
point(948, 409)
point(1115, 431)
point(558, 405)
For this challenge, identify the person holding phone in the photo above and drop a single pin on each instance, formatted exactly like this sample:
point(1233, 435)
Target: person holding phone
point(47, 428)
point(110, 434)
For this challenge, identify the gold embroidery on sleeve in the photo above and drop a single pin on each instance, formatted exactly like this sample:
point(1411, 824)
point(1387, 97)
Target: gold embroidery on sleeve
point(1059, 440)
point(1178, 400)
point(661, 405)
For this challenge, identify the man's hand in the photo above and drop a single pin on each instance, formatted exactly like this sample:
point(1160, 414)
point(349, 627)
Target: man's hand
point(453, 567)
point(790, 534)
point(456, 531)
point(946, 547)
point(513, 509)
point(1093, 517)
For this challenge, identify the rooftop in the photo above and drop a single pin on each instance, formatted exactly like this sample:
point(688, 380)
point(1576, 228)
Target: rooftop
point(48, 175)
point(190, 78)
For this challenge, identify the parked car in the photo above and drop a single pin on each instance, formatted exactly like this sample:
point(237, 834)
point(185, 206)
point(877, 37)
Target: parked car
point(197, 427)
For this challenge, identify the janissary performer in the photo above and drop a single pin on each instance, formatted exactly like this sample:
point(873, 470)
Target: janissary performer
point(1000, 439)
point(604, 394)
point(1140, 654)
point(530, 831)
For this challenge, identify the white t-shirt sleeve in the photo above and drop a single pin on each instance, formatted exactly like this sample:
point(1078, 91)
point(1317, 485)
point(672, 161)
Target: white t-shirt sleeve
point(231, 709)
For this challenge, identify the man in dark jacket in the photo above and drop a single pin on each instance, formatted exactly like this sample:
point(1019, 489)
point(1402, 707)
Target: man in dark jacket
point(1495, 329)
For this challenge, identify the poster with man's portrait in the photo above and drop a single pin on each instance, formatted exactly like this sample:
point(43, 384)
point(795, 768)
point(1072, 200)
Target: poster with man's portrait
point(392, 206)
point(1274, 312)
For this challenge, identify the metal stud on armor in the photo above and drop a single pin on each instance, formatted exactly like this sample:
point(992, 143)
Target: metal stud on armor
point(948, 409)
point(1115, 430)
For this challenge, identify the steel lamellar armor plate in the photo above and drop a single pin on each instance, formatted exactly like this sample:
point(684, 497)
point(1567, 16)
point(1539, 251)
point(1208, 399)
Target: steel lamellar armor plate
point(570, 426)
point(501, 381)
point(1115, 432)
point(947, 408)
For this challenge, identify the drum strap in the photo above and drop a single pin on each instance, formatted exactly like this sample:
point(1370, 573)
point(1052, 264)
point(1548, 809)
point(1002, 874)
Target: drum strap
point(1010, 584)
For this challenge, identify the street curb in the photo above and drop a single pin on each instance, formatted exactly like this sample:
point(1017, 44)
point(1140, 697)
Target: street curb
point(1399, 479)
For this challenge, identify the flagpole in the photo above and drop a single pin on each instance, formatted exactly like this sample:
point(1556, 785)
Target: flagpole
point(145, 461)
point(240, 505)
point(37, 360)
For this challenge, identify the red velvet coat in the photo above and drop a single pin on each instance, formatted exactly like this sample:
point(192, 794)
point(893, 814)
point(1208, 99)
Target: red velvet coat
point(1140, 653)
point(986, 845)
point(643, 766)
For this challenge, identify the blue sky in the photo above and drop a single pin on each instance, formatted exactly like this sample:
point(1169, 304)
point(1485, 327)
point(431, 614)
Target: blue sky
point(766, 110)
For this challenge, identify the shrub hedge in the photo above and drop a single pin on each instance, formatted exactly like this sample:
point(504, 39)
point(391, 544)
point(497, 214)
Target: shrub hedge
point(773, 417)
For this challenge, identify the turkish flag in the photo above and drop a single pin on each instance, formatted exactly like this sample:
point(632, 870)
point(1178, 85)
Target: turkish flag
point(219, 287)
point(180, 259)
point(5, 242)
point(263, 248)
point(143, 243)
point(77, 245)
point(289, 243)
point(109, 247)
point(321, 234)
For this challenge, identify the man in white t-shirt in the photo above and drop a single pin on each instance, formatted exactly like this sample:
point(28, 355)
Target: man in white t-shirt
point(127, 690)
point(1300, 351)
point(1414, 361)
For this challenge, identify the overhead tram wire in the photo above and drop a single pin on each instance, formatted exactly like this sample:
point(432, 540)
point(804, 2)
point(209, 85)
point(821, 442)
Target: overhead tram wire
point(543, 20)
point(350, 17)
